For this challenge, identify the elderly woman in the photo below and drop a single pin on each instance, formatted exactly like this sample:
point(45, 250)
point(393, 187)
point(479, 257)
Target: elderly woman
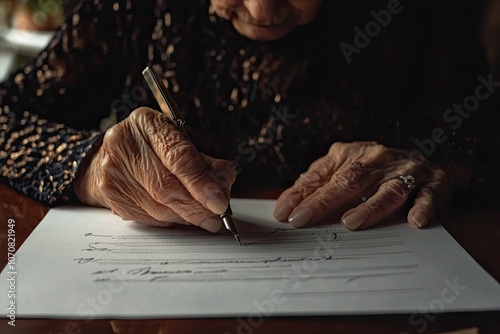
point(335, 100)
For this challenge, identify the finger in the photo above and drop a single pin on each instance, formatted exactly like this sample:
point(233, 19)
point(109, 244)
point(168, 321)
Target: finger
point(121, 193)
point(146, 211)
point(191, 214)
point(128, 210)
point(346, 186)
point(164, 194)
point(151, 187)
point(423, 210)
point(182, 212)
point(181, 158)
point(318, 174)
point(353, 180)
point(137, 214)
point(389, 198)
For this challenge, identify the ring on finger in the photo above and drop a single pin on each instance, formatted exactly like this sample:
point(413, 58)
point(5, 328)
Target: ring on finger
point(408, 180)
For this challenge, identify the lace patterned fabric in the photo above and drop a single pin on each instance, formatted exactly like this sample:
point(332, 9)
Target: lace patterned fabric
point(270, 107)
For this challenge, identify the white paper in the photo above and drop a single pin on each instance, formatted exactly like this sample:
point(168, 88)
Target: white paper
point(88, 263)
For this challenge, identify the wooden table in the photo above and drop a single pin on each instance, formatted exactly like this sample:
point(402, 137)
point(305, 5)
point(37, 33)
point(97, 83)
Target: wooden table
point(477, 231)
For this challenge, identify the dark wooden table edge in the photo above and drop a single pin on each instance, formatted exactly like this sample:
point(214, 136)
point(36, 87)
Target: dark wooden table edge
point(488, 322)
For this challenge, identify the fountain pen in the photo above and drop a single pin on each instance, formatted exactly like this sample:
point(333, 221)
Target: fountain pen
point(169, 108)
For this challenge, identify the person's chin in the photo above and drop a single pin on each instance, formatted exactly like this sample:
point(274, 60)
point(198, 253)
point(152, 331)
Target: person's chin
point(262, 33)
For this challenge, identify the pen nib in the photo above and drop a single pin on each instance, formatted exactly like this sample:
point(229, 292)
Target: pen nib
point(237, 239)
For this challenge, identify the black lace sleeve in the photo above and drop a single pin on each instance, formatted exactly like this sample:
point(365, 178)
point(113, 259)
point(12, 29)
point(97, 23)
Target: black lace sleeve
point(50, 110)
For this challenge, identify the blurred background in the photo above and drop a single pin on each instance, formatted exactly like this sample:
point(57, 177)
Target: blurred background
point(26, 26)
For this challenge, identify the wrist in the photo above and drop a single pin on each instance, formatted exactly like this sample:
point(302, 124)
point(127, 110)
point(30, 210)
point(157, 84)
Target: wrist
point(85, 188)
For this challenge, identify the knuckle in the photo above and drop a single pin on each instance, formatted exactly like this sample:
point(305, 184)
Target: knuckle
point(318, 172)
point(292, 196)
point(180, 155)
point(372, 209)
point(113, 134)
point(381, 150)
point(322, 200)
point(119, 139)
point(140, 113)
point(107, 171)
point(337, 146)
point(425, 205)
point(106, 185)
point(394, 191)
point(426, 196)
point(323, 197)
point(323, 166)
point(154, 125)
point(427, 192)
point(347, 180)
point(147, 122)
point(301, 189)
point(310, 179)
point(136, 116)
point(107, 163)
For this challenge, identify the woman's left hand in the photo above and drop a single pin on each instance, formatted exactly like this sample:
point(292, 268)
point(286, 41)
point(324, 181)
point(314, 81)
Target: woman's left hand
point(364, 183)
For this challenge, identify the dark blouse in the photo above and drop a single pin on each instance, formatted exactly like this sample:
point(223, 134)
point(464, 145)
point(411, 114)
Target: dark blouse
point(270, 107)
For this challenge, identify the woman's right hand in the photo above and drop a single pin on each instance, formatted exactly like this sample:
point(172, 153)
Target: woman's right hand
point(147, 171)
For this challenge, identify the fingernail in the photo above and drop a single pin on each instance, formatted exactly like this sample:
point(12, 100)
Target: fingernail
point(353, 221)
point(419, 219)
point(300, 217)
point(217, 204)
point(211, 224)
point(282, 211)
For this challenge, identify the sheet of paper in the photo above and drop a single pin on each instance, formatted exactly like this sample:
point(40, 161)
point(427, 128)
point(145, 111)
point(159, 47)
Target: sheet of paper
point(88, 263)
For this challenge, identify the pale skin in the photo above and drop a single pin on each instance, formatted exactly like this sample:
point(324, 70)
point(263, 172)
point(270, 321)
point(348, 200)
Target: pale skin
point(145, 170)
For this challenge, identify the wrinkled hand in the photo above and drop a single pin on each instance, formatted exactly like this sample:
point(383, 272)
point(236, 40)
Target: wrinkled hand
point(360, 183)
point(147, 171)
